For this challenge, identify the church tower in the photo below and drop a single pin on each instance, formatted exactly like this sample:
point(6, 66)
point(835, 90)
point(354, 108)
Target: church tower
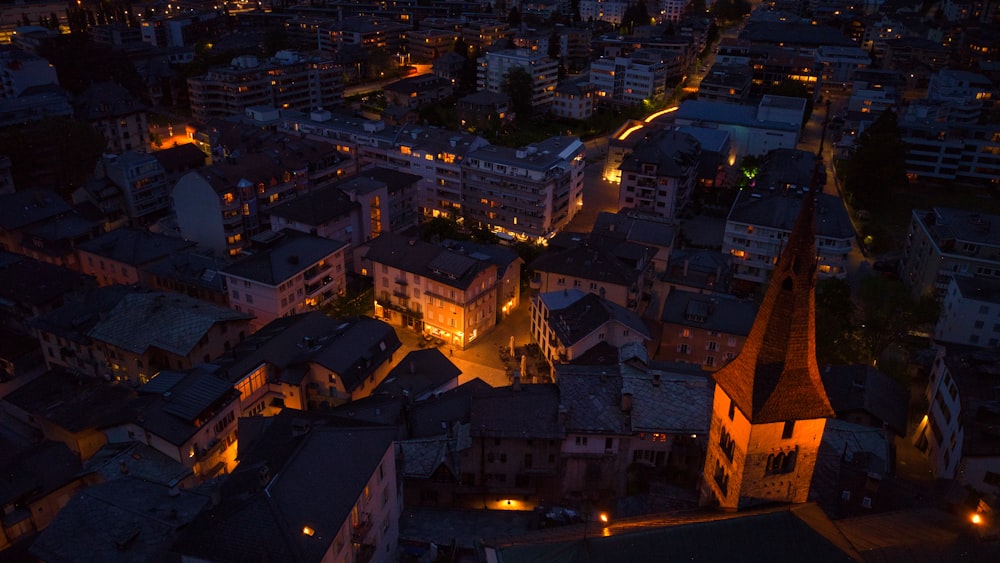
point(770, 406)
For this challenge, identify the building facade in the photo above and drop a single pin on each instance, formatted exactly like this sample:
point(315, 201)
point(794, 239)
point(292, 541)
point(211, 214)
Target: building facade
point(544, 73)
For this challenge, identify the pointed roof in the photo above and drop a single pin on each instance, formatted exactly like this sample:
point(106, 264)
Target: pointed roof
point(775, 377)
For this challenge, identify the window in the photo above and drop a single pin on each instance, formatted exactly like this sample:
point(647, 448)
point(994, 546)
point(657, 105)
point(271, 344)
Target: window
point(787, 431)
point(503, 458)
point(709, 361)
point(249, 298)
point(732, 409)
point(712, 346)
point(581, 440)
point(683, 349)
point(727, 444)
point(609, 443)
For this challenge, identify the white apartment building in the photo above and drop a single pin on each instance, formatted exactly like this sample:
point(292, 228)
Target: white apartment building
point(659, 175)
point(611, 11)
point(957, 434)
point(527, 193)
point(760, 221)
point(970, 313)
point(287, 273)
point(673, 10)
point(943, 242)
point(544, 72)
point(630, 80)
point(142, 181)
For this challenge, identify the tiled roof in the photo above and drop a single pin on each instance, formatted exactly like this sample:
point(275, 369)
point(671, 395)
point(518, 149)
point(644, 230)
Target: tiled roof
point(179, 400)
point(190, 268)
point(281, 260)
point(79, 313)
point(591, 399)
point(419, 372)
point(590, 260)
point(316, 208)
point(574, 319)
point(410, 254)
point(73, 403)
point(716, 312)
point(20, 209)
point(780, 209)
point(135, 247)
point(636, 227)
point(775, 378)
point(168, 321)
point(436, 417)
point(135, 459)
point(668, 401)
point(673, 153)
point(507, 412)
point(122, 520)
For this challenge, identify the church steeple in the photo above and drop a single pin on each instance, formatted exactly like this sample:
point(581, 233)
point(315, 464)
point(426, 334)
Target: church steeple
point(775, 376)
point(770, 406)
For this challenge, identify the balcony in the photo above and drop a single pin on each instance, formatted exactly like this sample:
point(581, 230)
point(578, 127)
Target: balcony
point(316, 270)
point(313, 288)
point(361, 528)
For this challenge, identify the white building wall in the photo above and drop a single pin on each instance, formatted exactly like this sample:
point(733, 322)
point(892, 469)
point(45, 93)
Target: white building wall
point(968, 320)
point(199, 213)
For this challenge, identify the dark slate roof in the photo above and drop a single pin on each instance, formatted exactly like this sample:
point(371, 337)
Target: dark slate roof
point(779, 209)
point(36, 471)
point(296, 475)
point(437, 415)
point(190, 268)
point(636, 227)
point(425, 259)
point(79, 313)
point(418, 373)
point(20, 209)
point(134, 459)
point(316, 208)
point(782, 534)
point(861, 387)
point(168, 321)
point(395, 180)
point(74, 403)
point(594, 260)
point(29, 282)
point(282, 259)
point(136, 247)
point(502, 256)
point(717, 312)
point(704, 269)
point(794, 33)
point(106, 100)
point(574, 315)
point(673, 153)
point(172, 402)
point(506, 412)
point(124, 520)
point(784, 167)
point(591, 398)
point(352, 348)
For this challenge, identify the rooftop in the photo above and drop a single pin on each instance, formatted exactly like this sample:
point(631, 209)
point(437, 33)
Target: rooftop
point(289, 254)
point(135, 247)
point(509, 412)
point(439, 264)
point(717, 312)
point(419, 373)
point(864, 388)
point(23, 208)
point(316, 208)
point(30, 283)
point(574, 316)
point(778, 210)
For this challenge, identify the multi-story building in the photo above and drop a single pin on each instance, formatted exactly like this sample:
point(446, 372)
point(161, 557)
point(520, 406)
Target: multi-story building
point(221, 206)
point(672, 10)
point(20, 70)
point(950, 152)
point(774, 124)
point(706, 330)
point(965, 94)
point(426, 45)
point(726, 83)
point(527, 193)
point(659, 176)
point(944, 242)
point(574, 99)
point(117, 115)
point(956, 433)
point(630, 80)
point(544, 73)
point(287, 81)
point(433, 290)
point(142, 182)
point(566, 324)
point(838, 64)
point(610, 11)
point(182, 30)
point(286, 273)
point(417, 91)
point(970, 313)
point(118, 257)
point(311, 362)
point(759, 223)
point(483, 34)
point(192, 274)
point(146, 332)
point(348, 512)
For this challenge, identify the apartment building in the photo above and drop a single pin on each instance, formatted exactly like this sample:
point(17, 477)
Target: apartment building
point(118, 257)
point(526, 193)
point(726, 83)
point(943, 242)
point(659, 175)
point(544, 73)
point(628, 80)
point(566, 324)
point(142, 182)
point(220, 207)
point(970, 313)
point(705, 330)
point(944, 152)
point(286, 81)
point(285, 273)
point(574, 99)
point(426, 45)
point(433, 290)
point(117, 115)
point(956, 433)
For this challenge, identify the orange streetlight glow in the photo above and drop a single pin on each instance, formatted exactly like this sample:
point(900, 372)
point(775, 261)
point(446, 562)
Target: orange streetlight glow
point(629, 131)
point(977, 519)
point(604, 517)
point(661, 112)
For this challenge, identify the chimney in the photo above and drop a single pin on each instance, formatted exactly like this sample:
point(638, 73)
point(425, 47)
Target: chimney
point(516, 385)
point(656, 379)
point(626, 402)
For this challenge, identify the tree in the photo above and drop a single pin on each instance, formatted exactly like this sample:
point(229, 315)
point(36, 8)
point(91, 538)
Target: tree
point(635, 14)
point(519, 86)
point(56, 151)
point(878, 167)
point(836, 339)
